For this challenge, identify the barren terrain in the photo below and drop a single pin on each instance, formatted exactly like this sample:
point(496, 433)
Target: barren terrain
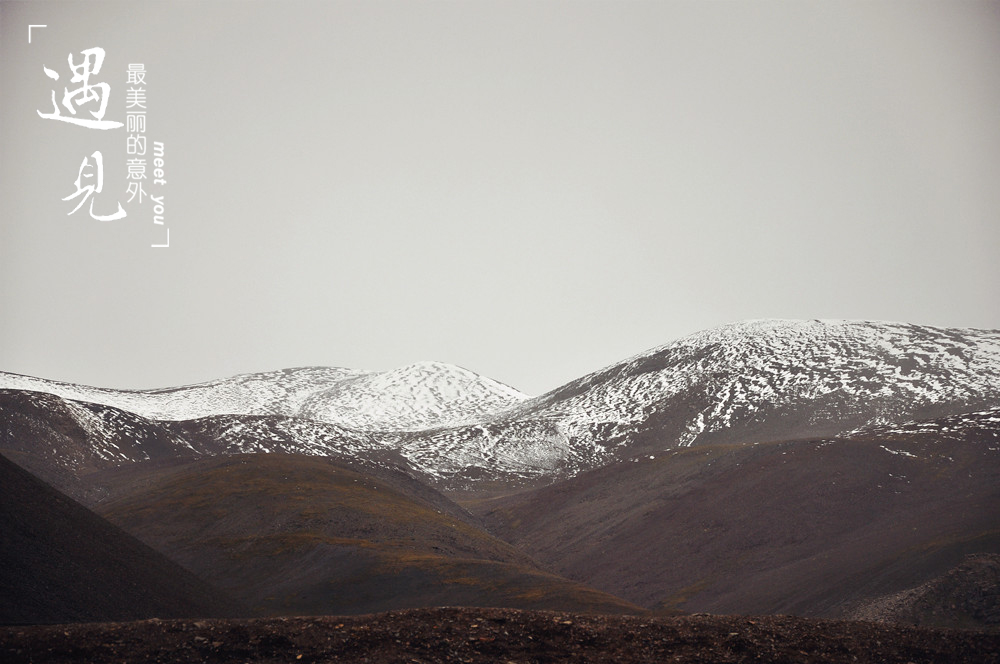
point(496, 635)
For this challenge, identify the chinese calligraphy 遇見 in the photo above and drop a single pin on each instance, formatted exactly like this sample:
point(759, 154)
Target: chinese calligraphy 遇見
point(87, 94)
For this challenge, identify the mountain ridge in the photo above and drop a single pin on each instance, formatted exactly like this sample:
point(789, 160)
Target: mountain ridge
point(416, 395)
point(747, 382)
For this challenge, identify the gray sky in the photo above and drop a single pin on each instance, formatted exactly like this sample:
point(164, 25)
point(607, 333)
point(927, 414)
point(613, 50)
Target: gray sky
point(532, 190)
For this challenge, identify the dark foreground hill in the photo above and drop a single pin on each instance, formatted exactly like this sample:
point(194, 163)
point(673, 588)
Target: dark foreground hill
point(496, 635)
point(294, 535)
point(59, 562)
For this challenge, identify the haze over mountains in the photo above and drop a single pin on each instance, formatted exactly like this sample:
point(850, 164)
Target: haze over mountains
point(765, 466)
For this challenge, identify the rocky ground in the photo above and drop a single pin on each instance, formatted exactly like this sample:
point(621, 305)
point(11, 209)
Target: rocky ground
point(966, 597)
point(496, 635)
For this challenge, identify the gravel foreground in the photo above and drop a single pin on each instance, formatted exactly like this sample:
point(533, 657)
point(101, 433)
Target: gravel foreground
point(496, 635)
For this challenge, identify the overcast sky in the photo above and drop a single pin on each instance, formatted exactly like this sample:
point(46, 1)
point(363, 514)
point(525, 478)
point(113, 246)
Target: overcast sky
point(531, 190)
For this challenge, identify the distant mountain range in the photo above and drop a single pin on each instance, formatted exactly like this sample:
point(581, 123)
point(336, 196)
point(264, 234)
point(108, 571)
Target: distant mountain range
point(747, 382)
point(772, 466)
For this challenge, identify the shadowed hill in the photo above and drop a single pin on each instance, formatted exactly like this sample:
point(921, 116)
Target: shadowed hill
point(305, 535)
point(60, 562)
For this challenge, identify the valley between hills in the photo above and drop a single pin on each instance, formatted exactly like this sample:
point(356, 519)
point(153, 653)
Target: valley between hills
point(846, 473)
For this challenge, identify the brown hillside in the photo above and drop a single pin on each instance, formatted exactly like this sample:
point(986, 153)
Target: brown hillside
point(308, 535)
point(809, 528)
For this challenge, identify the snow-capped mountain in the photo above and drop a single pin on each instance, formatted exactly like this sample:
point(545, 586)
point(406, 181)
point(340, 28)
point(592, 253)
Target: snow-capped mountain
point(845, 370)
point(747, 382)
point(412, 398)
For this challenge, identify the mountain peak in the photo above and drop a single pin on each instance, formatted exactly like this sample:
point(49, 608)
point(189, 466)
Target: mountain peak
point(417, 396)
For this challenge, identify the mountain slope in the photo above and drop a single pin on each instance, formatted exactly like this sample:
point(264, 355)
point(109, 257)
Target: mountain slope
point(290, 534)
point(60, 563)
point(63, 441)
point(772, 378)
point(808, 527)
